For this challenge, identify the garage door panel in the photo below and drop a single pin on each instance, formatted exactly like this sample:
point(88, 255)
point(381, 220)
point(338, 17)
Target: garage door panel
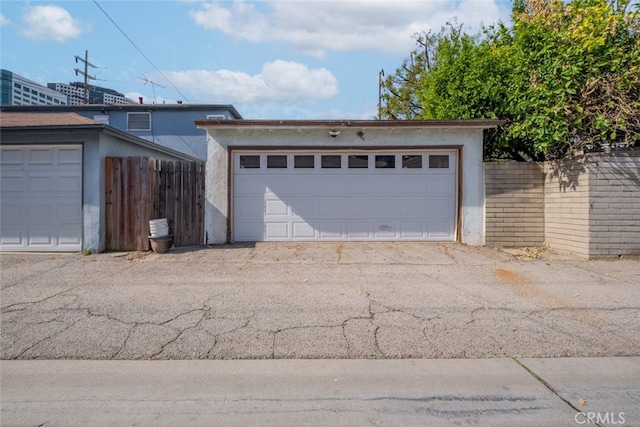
point(40, 184)
point(69, 157)
point(305, 207)
point(40, 235)
point(69, 184)
point(331, 208)
point(412, 229)
point(12, 156)
point(409, 185)
point(277, 230)
point(11, 236)
point(330, 184)
point(358, 230)
point(38, 213)
point(441, 184)
point(413, 208)
point(386, 185)
point(358, 185)
point(383, 229)
point(441, 208)
point(249, 185)
point(359, 207)
point(42, 156)
point(385, 207)
point(249, 207)
point(12, 182)
point(330, 230)
point(276, 208)
point(439, 229)
point(410, 200)
point(41, 198)
point(303, 230)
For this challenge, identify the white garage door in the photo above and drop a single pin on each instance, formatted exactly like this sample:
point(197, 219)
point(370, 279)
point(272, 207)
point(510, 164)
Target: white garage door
point(344, 195)
point(41, 198)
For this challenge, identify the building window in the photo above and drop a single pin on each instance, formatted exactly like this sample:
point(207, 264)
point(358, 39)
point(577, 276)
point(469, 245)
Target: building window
point(304, 161)
point(138, 121)
point(249, 162)
point(277, 162)
point(358, 161)
point(17, 85)
point(439, 162)
point(385, 162)
point(412, 161)
point(331, 162)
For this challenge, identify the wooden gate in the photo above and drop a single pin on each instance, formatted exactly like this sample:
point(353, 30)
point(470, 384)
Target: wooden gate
point(138, 189)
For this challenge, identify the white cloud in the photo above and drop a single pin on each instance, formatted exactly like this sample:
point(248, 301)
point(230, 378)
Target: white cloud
point(320, 26)
point(50, 23)
point(279, 82)
point(3, 21)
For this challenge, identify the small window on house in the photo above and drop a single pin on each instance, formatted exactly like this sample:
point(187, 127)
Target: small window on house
point(17, 85)
point(277, 162)
point(358, 161)
point(439, 162)
point(331, 161)
point(138, 121)
point(385, 162)
point(249, 162)
point(304, 161)
point(412, 161)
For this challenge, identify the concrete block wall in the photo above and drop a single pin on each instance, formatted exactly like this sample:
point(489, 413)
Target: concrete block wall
point(566, 206)
point(514, 204)
point(588, 206)
point(614, 204)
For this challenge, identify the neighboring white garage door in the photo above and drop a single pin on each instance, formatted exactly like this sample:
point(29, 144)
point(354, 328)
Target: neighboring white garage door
point(41, 198)
point(368, 195)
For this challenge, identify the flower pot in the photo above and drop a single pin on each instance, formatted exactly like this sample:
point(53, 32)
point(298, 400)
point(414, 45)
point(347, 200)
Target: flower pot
point(161, 245)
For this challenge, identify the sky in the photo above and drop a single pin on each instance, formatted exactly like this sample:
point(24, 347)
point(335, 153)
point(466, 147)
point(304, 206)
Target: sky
point(278, 59)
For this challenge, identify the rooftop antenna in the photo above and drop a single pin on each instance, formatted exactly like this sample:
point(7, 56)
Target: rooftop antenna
point(85, 73)
point(153, 85)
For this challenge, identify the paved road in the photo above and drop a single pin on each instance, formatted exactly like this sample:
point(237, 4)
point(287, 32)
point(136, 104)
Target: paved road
point(419, 392)
point(320, 301)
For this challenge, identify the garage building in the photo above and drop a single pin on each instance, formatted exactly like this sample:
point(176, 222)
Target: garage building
point(361, 180)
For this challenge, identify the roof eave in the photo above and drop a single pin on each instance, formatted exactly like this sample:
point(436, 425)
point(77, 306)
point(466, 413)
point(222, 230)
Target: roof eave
point(332, 124)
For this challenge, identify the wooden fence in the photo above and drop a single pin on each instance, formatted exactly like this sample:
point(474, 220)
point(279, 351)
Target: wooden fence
point(138, 189)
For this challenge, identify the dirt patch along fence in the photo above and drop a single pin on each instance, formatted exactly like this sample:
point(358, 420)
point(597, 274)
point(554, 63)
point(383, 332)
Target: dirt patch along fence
point(138, 189)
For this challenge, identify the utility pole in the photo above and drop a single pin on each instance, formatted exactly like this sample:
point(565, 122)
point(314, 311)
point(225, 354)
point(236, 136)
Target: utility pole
point(85, 73)
point(380, 76)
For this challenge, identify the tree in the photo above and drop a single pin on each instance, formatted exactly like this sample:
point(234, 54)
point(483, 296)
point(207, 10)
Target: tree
point(564, 76)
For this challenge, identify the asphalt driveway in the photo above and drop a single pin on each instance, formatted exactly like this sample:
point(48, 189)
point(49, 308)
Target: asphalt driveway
point(317, 300)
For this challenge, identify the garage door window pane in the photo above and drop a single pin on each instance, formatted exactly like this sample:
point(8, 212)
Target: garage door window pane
point(276, 162)
point(439, 162)
point(358, 162)
point(412, 161)
point(304, 162)
point(249, 162)
point(385, 162)
point(331, 162)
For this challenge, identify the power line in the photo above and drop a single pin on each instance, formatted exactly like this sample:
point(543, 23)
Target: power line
point(139, 50)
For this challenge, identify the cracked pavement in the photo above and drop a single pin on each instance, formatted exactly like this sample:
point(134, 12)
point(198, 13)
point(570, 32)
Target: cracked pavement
point(318, 301)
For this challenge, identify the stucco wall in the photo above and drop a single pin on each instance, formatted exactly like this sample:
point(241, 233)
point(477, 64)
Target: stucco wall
point(221, 140)
point(514, 204)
